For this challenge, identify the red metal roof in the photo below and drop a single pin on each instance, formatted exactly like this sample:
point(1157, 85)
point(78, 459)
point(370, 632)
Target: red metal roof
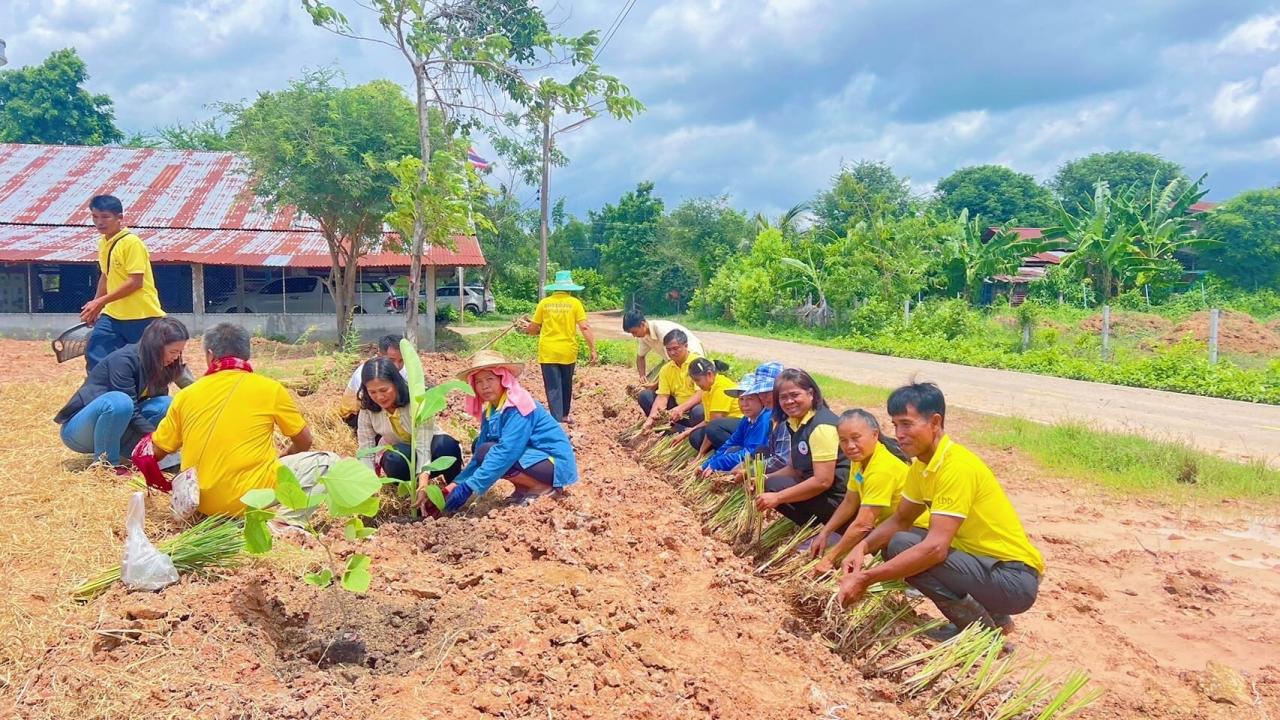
point(188, 206)
point(1204, 206)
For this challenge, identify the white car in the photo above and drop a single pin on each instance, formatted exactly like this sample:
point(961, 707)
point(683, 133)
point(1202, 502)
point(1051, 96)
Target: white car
point(308, 295)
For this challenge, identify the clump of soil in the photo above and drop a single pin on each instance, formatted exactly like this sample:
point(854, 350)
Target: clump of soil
point(1237, 332)
point(1128, 324)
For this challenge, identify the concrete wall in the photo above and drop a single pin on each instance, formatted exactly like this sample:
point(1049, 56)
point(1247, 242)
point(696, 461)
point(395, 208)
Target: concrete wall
point(319, 326)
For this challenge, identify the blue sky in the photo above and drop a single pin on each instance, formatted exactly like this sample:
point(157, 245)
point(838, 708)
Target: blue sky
point(762, 100)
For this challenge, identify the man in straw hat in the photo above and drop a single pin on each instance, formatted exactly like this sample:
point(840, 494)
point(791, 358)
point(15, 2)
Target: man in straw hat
point(557, 321)
point(519, 440)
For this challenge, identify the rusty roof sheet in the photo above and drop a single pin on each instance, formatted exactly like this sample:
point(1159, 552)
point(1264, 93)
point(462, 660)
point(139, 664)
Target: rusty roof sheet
point(188, 206)
point(41, 243)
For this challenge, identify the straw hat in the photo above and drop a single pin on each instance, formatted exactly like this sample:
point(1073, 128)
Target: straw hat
point(487, 360)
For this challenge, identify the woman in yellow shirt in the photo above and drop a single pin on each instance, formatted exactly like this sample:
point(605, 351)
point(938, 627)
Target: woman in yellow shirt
point(720, 412)
point(878, 472)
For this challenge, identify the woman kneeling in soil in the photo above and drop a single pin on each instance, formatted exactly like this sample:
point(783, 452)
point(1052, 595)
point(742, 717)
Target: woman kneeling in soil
point(752, 434)
point(125, 396)
point(519, 440)
point(812, 485)
point(386, 420)
point(721, 413)
point(879, 470)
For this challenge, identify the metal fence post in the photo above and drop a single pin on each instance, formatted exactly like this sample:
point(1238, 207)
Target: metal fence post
point(906, 311)
point(197, 295)
point(1106, 332)
point(1213, 334)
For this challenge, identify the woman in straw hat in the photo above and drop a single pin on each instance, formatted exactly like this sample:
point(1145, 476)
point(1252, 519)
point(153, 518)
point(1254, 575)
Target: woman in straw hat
point(519, 440)
point(557, 321)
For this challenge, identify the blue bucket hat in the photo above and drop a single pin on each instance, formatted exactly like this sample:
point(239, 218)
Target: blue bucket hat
point(758, 381)
point(564, 281)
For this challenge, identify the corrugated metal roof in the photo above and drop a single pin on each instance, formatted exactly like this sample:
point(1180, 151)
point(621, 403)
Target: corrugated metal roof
point(188, 206)
point(42, 243)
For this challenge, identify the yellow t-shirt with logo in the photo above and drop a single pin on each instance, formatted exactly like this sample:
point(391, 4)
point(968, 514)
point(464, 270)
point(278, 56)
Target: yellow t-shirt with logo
point(824, 441)
point(674, 380)
point(956, 482)
point(559, 314)
point(128, 256)
point(224, 424)
point(715, 400)
point(879, 482)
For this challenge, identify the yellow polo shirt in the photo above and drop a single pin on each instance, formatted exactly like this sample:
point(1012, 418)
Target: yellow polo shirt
point(878, 483)
point(824, 441)
point(128, 256)
point(716, 401)
point(674, 380)
point(225, 425)
point(956, 482)
point(559, 314)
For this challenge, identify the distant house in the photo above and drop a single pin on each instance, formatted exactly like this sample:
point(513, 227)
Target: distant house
point(210, 239)
point(1036, 266)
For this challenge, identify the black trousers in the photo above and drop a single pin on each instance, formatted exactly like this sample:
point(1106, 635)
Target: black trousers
point(558, 381)
point(819, 508)
point(718, 431)
point(394, 466)
point(647, 398)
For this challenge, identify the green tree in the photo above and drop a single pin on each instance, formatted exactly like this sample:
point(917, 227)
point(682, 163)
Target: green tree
point(861, 192)
point(983, 253)
point(705, 233)
point(324, 150)
point(466, 56)
point(997, 195)
point(570, 246)
point(47, 104)
point(631, 254)
point(1248, 230)
point(1122, 170)
point(507, 242)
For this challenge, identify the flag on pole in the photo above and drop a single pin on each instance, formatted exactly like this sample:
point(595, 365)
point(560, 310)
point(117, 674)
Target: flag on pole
point(476, 161)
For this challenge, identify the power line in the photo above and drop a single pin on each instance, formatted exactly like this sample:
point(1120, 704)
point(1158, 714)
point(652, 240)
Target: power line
point(614, 30)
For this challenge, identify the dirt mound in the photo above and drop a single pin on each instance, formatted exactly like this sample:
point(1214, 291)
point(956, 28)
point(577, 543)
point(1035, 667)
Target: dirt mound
point(1128, 324)
point(1237, 332)
point(609, 602)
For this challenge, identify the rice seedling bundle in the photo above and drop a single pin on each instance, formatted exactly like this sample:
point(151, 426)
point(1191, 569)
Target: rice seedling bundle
point(213, 542)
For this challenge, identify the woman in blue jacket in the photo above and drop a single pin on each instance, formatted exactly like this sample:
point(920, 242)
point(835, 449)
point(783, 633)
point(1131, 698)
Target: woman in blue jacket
point(519, 440)
point(753, 434)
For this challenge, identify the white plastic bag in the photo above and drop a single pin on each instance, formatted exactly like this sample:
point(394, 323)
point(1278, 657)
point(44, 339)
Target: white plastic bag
point(184, 497)
point(144, 567)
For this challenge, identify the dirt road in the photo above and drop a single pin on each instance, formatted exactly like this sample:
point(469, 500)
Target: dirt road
point(1230, 428)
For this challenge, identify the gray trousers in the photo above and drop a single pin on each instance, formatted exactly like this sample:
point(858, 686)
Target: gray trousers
point(1004, 588)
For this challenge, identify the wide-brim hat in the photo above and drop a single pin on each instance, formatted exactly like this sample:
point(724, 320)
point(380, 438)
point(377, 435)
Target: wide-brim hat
point(488, 360)
point(564, 281)
point(758, 381)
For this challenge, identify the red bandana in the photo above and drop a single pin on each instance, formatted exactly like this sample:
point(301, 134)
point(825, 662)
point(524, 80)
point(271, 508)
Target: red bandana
point(229, 363)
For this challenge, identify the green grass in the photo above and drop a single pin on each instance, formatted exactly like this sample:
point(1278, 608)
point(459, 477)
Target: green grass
point(1129, 462)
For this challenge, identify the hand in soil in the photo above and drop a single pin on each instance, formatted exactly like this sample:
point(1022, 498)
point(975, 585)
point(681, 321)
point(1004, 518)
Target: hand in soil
point(852, 587)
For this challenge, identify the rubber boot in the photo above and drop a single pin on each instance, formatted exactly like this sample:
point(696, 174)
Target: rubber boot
point(962, 613)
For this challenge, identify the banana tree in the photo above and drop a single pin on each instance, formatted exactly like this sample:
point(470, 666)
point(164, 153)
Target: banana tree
point(983, 257)
point(1166, 228)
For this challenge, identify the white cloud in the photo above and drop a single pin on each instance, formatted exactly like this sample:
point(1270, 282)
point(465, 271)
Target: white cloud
point(1258, 34)
point(1234, 104)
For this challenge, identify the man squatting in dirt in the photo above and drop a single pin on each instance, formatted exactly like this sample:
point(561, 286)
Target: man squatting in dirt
point(974, 561)
point(677, 393)
point(650, 338)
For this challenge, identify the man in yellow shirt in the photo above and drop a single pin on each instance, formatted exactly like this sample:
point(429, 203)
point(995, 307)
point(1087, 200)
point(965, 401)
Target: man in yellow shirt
point(676, 393)
point(126, 301)
point(975, 561)
point(557, 321)
point(225, 424)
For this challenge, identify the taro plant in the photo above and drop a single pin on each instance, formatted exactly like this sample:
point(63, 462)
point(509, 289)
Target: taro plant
point(348, 491)
point(424, 405)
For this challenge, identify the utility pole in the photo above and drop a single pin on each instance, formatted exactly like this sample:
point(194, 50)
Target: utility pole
point(543, 198)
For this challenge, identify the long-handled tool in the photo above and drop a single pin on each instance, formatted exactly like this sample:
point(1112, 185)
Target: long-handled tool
point(518, 322)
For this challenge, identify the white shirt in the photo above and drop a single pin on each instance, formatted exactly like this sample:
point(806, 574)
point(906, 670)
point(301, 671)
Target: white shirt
point(658, 330)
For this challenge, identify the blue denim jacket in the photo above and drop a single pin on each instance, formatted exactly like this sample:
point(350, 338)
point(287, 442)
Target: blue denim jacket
point(527, 440)
point(747, 439)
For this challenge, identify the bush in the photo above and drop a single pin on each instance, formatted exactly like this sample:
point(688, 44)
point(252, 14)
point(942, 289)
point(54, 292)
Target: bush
point(507, 305)
point(597, 293)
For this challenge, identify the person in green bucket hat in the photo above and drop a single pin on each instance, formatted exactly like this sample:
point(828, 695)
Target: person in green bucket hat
point(557, 321)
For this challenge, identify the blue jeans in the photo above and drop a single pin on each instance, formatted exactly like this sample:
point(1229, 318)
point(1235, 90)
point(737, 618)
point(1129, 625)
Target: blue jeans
point(109, 335)
point(100, 425)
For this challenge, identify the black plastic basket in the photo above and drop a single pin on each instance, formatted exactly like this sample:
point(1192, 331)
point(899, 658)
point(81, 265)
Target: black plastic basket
point(72, 342)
